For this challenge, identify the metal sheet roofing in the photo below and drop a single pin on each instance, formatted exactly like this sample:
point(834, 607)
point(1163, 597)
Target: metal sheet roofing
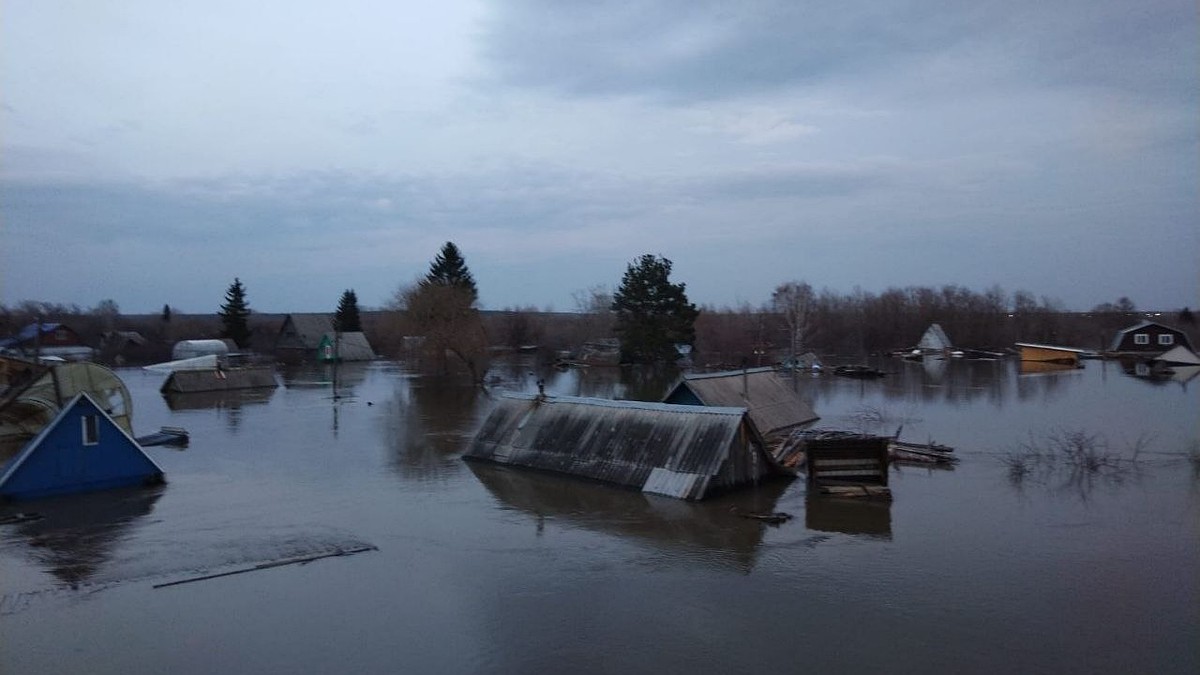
point(686, 450)
point(772, 405)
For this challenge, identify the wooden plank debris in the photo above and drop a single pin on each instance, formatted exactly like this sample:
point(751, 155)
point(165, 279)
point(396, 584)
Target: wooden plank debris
point(276, 563)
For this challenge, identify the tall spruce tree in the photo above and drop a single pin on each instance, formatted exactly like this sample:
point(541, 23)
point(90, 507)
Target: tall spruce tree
point(652, 314)
point(234, 314)
point(346, 320)
point(449, 269)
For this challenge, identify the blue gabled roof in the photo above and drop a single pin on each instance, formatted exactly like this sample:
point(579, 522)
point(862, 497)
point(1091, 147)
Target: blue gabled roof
point(59, 461)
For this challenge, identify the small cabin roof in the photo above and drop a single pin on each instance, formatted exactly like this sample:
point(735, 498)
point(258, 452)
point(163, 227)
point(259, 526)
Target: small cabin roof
point(771, 404)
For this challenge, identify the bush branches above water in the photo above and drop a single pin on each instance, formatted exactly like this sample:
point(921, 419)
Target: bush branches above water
point(1074, 458)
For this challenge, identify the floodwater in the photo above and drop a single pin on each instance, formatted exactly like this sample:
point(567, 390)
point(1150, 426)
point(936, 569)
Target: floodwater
point(483, 569)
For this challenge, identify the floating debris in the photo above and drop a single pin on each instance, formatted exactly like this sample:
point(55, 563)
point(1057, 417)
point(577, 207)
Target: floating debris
point(276, 563)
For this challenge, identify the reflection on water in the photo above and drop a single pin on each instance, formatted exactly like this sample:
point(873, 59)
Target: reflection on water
point(494, 569)
point(871, 517)
point(233, 399)
point(75, 535)
point(429, 421)
point(710, 528)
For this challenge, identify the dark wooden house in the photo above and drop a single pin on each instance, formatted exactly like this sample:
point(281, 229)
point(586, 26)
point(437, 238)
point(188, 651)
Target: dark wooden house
point(1148, 338)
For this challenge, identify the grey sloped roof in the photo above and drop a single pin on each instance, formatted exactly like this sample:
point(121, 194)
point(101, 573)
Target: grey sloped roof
point(351, 346)
point(934, 339)
point(303, 331)
point(687, 449)
point(771, 404)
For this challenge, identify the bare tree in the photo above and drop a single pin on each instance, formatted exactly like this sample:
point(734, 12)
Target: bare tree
point(447, 318)
point(795, 301)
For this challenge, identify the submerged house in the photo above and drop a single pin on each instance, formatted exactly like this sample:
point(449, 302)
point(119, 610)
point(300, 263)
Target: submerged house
point(300, 336)
point(772, 406)
point(682, 451)
point(344, 347)
point(1148, 338)
point(81, 450)
point(1067, 356)
point(934, 340)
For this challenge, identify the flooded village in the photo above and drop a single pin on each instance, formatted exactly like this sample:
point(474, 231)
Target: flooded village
point(311, 505)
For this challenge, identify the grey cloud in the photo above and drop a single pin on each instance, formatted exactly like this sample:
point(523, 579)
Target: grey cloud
point(681, 49)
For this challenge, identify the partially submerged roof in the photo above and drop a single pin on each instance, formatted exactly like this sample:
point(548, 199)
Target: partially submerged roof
point(81, 450)
point(349, 346)
point(676, 450)
point(1057, 348)
point(771, 404)
point(303, 331)
point(1180, 355)
point(934, 339)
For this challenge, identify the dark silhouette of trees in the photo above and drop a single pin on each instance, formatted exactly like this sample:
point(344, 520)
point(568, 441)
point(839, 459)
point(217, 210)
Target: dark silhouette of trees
point(346, 319)
point(449, 269)
point(234, 314)
point(652, 314)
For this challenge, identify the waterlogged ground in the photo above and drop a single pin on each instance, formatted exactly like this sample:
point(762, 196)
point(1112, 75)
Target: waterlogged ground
point(485, 569)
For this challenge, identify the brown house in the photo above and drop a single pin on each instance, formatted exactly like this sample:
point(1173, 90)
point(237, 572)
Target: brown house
point(1148, 338)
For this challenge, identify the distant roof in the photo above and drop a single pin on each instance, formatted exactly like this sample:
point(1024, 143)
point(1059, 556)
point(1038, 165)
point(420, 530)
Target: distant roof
point(934, 338)
point(1054, 347)
point(304, 331)
point(1141, 325)
point(351, 346)
point(1180, 355)
point(772, 405)
point(29, 332)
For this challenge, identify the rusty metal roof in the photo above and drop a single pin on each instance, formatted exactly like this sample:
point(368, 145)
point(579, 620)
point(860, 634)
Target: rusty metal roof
point(685, 449)
point(771, 404)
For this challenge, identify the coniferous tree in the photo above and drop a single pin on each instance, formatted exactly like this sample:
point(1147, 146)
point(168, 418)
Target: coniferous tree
point(449, 269)
point(347, 320)
point(652, 314)
point(234, 314)
point(441, 308)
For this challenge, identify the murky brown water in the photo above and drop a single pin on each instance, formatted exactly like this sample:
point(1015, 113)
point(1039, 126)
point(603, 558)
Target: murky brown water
point(486, 569)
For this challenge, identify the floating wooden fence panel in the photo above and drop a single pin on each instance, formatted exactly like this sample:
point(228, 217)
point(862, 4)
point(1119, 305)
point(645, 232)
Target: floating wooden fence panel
point(853, 460)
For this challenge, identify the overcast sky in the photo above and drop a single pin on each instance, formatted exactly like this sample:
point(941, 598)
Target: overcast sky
point(152, 151)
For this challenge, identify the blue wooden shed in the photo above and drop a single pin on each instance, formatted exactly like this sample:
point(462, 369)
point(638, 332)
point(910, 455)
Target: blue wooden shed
point(81, 450)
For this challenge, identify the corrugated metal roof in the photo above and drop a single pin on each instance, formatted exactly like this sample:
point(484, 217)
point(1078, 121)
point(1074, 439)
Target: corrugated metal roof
point(772, 405)
point(623, 442)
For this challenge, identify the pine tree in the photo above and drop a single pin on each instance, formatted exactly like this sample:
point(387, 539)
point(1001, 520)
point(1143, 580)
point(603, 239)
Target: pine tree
point(234, 314)
point(652, 314)
point(449, 269)
point(347, 320)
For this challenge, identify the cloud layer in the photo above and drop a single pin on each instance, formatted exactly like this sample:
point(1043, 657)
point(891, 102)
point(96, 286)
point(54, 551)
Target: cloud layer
point(152, 152)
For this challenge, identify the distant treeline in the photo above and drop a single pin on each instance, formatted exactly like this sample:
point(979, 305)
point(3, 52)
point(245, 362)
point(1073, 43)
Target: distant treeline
point(836, 324)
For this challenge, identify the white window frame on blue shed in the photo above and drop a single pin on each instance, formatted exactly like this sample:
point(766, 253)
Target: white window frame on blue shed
point(90, 428)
